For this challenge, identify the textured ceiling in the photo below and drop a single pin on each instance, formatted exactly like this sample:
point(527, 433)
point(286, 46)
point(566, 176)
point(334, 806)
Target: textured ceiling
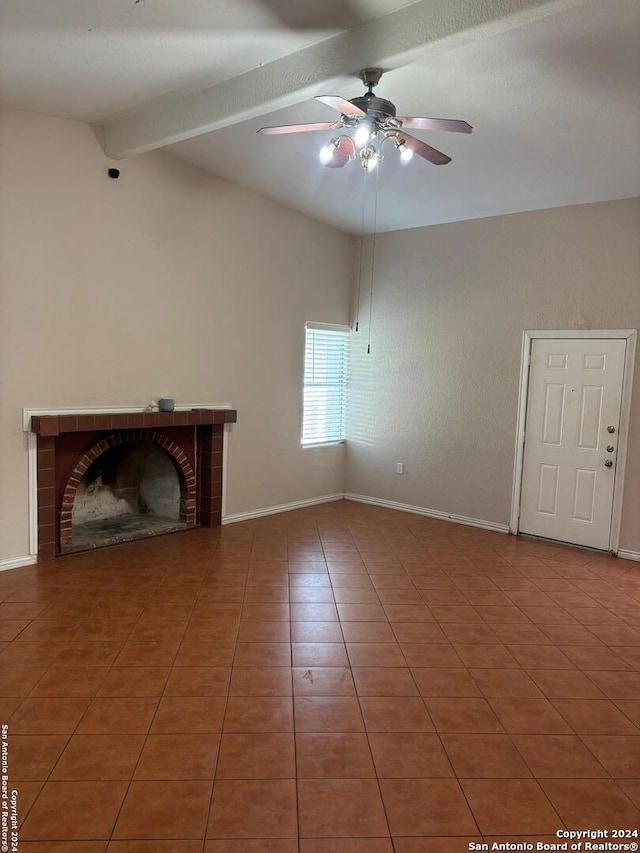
point(554, 101)
point(93, 59)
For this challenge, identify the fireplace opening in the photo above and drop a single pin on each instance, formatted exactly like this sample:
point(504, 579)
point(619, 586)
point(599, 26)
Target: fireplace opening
point(179, 462)
point(130, 491)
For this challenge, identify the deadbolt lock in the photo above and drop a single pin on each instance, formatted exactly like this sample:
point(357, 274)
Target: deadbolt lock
point(608, 463)
point(611, 429)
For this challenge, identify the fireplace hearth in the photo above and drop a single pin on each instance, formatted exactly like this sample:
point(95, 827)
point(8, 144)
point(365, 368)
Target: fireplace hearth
point(114, 477)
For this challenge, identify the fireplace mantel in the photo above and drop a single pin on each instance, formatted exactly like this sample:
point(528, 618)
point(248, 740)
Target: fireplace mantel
point(54, 431)
point(52, 425)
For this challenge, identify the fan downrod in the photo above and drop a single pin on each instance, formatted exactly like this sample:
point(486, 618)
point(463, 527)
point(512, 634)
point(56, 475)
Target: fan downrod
point(371, 77)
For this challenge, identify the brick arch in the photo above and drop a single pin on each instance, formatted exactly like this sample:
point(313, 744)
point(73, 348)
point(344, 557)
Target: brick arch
point(182, 465)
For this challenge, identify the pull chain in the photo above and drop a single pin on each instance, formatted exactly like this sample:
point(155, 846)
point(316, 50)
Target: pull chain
point(373, 258)
point(364, 199)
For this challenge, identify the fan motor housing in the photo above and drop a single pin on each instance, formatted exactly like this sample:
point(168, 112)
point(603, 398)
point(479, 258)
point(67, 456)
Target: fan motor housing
point(373, 106)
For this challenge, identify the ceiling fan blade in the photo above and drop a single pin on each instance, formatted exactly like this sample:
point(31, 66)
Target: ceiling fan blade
point(298, 128)
point(453, 124)
point(341, 104)
point(330, 14)
point(423, 150)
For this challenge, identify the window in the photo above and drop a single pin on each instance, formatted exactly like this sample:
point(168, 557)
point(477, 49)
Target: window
point(325, 374)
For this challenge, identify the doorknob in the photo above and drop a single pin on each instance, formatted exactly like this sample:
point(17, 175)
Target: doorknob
point(608, 463)
point(611, 429)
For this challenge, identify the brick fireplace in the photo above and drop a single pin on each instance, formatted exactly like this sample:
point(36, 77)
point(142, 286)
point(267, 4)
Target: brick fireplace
point(115, 477)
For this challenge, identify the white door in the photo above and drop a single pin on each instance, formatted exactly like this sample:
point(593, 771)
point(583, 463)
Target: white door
point(571, 439)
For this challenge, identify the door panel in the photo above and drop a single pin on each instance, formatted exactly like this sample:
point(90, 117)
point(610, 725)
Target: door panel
point(574, 396)
point(553, 414)
point(548, 491)
point(584, 493)
point(590, 418)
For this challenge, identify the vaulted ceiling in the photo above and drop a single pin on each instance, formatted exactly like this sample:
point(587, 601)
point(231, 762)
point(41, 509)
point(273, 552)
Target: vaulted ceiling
point(552, 88)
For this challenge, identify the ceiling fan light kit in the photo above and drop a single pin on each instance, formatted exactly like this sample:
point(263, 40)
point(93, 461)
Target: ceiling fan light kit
point(370, 122)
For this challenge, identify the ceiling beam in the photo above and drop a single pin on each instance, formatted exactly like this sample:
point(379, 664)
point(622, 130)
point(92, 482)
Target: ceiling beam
point(391, 41)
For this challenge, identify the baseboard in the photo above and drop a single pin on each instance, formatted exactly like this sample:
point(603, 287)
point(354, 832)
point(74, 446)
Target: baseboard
point(274, 510)
point(18, 562)
point(431, 513)
point(31, 559)
point(628, 555)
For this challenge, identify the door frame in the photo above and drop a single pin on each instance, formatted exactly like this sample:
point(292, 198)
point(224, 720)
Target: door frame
point(630, 336)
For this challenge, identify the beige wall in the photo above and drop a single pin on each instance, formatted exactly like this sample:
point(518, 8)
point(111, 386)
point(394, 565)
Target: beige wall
point(167, 282)
point(439, 391)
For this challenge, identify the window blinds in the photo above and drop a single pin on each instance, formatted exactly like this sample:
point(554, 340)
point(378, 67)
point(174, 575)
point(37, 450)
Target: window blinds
point(325, 372)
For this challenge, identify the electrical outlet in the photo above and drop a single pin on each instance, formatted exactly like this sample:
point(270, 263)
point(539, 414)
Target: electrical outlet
point(399, 467)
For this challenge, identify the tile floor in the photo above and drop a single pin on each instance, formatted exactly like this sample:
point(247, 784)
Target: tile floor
point(343, 679)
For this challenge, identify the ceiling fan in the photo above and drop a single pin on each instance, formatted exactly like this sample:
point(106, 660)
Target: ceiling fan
point(373, 121)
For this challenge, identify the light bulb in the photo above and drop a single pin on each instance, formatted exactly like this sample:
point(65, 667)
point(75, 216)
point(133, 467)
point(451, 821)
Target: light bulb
point(326, 154)
point(362, 135)
point(405, 153)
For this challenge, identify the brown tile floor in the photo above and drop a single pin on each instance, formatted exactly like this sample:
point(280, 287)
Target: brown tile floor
point(341, 679)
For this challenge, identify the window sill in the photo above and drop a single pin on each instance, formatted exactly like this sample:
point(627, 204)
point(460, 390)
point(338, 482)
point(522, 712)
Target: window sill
point(323, 444)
